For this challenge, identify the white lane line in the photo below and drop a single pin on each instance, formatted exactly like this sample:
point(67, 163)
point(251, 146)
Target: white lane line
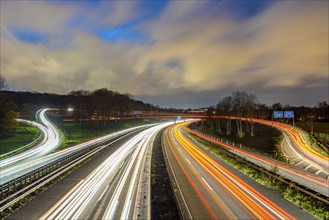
point(299, 163)
point(206, 183)
point(317, 172)
point(103, 193)
point(308, 167)
point(188, 160)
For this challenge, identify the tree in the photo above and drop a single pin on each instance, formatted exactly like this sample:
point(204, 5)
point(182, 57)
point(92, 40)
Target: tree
point(239, 103)
point(322, 110)
point(225, 106)
point(10, 120)
point(3, 84)
point(263, 111)
point(7, 111)
point(250, 111)
point(277, 106)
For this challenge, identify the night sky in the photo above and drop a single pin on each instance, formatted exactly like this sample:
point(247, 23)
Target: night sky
point(169, 53)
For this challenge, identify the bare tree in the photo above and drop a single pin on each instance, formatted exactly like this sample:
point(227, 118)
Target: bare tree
point(225, 106)
point(3, 84)
point(239, 103)
point(243, 105)
point(251, 111)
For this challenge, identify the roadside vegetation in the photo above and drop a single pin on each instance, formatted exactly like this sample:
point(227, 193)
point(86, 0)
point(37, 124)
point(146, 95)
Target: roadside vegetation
point(314, 120)
point(20, 136)
point(73, 133)
point(269, 179)
point(162, 197)
point(266, 140)
point(318, 135)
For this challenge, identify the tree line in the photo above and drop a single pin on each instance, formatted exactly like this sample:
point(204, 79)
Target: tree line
point(100, 104)
point(7, 110)
point(103, 104)
point(242, 104)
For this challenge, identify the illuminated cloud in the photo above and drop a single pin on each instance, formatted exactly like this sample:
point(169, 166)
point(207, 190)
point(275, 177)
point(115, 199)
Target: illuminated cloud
point(161, 50)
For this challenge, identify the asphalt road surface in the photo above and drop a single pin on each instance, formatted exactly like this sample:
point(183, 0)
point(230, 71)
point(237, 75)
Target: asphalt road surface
point(207, 188)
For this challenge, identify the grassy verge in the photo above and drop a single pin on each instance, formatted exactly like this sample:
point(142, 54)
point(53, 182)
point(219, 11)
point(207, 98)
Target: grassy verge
point(317, 145)
point(162, 197)
point(319, 140)
point(308, 203)
point(23, 134)
point(318, 127)
point(266, 139)
point(73, 133)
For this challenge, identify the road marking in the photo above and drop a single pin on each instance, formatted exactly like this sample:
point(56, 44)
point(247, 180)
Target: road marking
point(103, 193)
point(308, 167)
point(188, 160)
point(299, 163)
point(317, 172)
point(206, 183)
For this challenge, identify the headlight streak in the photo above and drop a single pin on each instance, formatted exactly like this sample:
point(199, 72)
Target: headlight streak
point(51, 141)
point(74, 204)
point(242, 191)
point(16, 170)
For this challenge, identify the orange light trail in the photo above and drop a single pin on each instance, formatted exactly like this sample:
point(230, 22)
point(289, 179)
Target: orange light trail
point(239, 189)
point(301, 174)
point(219, 202)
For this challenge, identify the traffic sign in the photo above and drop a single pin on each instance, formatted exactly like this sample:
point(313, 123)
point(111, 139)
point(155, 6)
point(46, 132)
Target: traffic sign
point(278, 114)
point(288, 114)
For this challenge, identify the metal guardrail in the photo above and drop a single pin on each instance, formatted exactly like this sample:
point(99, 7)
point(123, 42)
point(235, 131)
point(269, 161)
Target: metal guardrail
point(291, 183)
point(12, 186)
point(17, 189)
point(25, 146)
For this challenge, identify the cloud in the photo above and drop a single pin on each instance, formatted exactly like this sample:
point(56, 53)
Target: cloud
point(288, 40)
point(194, 46)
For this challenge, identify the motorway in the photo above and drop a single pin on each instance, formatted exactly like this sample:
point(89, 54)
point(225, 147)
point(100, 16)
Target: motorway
point(301, 154)
point(206, 188)
point(302, 177)
point(117, 188)
point(18, 169)
point(297, 149)
point(51, 140)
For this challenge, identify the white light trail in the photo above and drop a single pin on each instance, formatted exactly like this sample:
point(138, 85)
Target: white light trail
point(84, 196)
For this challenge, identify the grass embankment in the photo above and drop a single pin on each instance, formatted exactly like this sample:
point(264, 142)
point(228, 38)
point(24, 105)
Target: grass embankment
point(162, 197)
point(308, 203)
point(73, 133)
point(266, 139)
point(22, 135)
point(319, 140)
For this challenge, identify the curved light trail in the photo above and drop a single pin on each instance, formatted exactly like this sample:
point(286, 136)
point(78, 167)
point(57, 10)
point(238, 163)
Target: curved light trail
point(39, 126)
point(302, 177)
point(219, 184)
point(18, 169)
point(51, 140)
point(298, 144)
